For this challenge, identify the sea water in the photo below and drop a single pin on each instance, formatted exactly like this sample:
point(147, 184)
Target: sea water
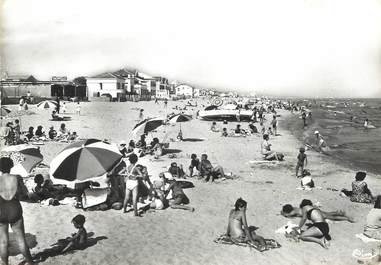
point(341, 123)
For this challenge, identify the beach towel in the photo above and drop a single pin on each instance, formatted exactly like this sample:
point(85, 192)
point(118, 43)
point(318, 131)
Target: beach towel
point(366, 239)
point(224, 239)
point(286, 229)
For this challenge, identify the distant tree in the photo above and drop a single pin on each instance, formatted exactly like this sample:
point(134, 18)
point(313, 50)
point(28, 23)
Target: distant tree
point(80, 81)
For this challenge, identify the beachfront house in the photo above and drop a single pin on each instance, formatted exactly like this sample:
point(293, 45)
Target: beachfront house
point(106, 84)
point(184, 91)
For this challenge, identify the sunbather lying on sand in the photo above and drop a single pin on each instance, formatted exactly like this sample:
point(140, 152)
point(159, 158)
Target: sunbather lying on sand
point(238, 230)
point(339, 215)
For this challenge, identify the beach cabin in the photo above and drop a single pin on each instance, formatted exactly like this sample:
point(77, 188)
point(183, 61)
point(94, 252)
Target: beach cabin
point(106, 85)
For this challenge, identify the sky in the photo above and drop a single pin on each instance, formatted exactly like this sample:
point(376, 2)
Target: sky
point(314, 48)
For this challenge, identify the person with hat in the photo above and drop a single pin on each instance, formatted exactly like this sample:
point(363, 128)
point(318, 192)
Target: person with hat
point(302, 161)
point(179, 199)
point(320, 143)
point(122, 148)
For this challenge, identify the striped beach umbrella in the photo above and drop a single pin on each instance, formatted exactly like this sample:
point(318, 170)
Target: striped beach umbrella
point(179, 118)
point(47, 104)
point(147, 126)
point(84, 160)
point(25, 158)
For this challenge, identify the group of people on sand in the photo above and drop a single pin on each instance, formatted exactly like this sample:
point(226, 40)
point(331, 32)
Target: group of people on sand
point(130, 183)
point(141, 147)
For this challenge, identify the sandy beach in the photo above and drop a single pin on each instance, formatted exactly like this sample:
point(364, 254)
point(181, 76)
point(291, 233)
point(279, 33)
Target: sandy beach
point(182, 237)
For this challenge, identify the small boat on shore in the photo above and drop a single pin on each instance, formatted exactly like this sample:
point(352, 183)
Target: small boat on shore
point(213, 113)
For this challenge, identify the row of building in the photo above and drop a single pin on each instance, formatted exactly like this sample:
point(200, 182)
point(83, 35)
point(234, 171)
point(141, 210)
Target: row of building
point(126, 84)
point(120, 85)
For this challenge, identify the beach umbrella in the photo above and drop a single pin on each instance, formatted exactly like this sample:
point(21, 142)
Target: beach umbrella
point(47, 104)
point(84, 160)
point(179, 118)
point(147, 126)
point(25, 158)
point(4, 111)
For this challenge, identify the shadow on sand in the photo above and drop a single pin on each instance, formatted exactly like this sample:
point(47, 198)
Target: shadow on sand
point(193, 140)
point(13, 246)
point(56, 248)
point(171, 151)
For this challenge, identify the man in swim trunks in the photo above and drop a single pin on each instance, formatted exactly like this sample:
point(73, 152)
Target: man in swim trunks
point(179, 199)
point(11, 187)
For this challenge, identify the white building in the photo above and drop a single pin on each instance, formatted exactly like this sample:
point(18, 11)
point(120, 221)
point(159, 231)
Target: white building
point(106, 84)
point(184, 90)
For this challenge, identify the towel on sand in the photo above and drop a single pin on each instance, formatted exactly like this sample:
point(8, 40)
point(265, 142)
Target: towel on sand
point(366, 239)
point(224, 239)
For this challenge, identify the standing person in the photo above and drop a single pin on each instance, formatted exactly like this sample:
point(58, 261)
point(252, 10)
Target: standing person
point(63, 107)
point(274, 124)
point(238, 230)
point(11, 188)
point(78, 109)
point(131, 180)
point(165, 103)
point(156, 101)
point(58, 105)
point(17, 131)
point(141, 114)
point(302, 161)
point(21, 103)
point(304, 118)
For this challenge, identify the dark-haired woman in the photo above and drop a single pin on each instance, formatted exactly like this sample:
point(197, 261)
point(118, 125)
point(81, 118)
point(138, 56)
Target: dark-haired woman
point(238, 229)
point(373, 221)
point(319, 231)
point(11, 211)
point(360, 191)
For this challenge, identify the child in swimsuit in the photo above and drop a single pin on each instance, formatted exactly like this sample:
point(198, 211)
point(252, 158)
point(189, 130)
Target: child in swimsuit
point(79, 239)
point(132, 173)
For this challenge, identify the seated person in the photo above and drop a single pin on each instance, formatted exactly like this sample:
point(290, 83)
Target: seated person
point(179, 199)
point(214, 127)
point(142, 142)
point(72, 137)
point(267, 152)
point(238, 130)
point(52, 133)
point(269, 131)
point(156, 148)
point(253, 128)
point(63, 131)
point(208, 171)
point(30, 133)
point(372, 228)
point(56, 117)
point(238, 230)
point(289, 211)
point(360, 191)
point(79, 239)
point(131, 146)
point(195, 163)
point(224, 133)
point(319, 231)
point(176, 171)
point(39, 133)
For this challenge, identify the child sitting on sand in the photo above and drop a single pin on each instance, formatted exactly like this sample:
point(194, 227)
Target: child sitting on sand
point(302, 161)
point(176, 171)
point(224, 133)
point(214, 128)
point(79, 239)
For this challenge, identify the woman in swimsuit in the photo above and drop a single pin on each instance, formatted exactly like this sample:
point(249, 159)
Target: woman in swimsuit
point(131, 180)
point(319, 231)
point(238, 229)
point(11, 211)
